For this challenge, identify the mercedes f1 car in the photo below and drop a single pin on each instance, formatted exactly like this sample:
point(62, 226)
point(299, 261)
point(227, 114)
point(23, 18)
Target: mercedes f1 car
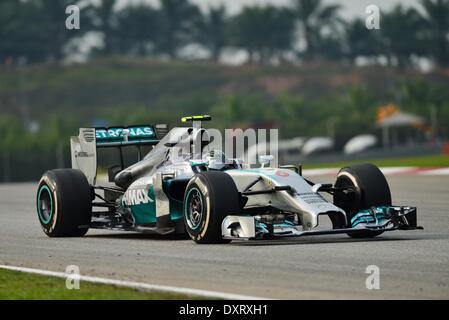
point(181, 186)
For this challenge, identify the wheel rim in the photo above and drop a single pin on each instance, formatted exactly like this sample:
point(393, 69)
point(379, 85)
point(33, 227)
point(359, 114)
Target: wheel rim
point(194, 208)
point(45, 204)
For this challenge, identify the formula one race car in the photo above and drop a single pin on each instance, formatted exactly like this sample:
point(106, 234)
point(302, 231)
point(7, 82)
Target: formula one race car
point(182, 186)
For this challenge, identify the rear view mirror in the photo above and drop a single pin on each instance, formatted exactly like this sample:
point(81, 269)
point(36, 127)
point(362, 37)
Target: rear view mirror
point(265, 159)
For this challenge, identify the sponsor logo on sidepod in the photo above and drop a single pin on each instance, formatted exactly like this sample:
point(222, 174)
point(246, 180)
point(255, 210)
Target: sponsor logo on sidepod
point(135, 197)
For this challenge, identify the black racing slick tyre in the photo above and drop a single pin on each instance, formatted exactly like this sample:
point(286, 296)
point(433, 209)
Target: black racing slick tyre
point(209, 197)
point(64, 203)
point(370, 190)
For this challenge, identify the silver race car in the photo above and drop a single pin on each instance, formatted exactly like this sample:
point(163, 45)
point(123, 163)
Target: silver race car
point(179, 184)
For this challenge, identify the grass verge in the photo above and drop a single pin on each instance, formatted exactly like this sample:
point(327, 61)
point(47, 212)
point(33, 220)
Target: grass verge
point(424, 161)
point(23, 286)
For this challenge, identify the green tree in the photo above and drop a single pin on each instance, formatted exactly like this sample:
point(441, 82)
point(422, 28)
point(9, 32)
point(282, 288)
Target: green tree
point(331, 47)
point(422, 97)
point(177, 24)
point(437, 24)
point(51, 28)
point(264, 32)
point(103, 18)
point(313, 17)
point(282, 32)
point(359, 41)
point(14, 40)
point(212, 31)
point(137, 30)
point(402, 35)
point(35, 30)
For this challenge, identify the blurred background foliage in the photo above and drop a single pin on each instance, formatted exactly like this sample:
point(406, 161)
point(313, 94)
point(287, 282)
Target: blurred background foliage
point(305, 70)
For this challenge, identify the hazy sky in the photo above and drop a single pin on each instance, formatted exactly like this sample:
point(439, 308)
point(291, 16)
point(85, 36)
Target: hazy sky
point(351, 8)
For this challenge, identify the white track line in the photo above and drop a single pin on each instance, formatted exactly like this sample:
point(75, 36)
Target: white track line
point(435, 172)
point(137, 285)
point(386, 170)
point(398, 170)
point(320, 172)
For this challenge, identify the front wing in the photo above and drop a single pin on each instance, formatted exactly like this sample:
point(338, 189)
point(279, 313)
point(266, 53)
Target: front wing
point(375, 219)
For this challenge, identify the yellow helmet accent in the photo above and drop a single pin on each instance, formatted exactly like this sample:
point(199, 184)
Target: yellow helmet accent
point(196, 118)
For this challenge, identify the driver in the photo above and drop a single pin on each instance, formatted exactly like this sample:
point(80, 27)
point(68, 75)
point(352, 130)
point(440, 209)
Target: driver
point(217, 161)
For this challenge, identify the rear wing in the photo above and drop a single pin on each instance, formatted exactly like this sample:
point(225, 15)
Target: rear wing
point(84, 146)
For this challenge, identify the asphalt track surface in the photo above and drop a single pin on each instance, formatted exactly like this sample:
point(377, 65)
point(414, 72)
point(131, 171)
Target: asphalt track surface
point(412, 264)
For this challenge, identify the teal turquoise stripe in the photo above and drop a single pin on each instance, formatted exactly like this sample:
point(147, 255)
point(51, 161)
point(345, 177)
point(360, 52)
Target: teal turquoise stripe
point(47, 189)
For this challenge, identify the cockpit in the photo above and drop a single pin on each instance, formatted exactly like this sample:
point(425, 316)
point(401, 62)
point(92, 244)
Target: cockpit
point(180, 145)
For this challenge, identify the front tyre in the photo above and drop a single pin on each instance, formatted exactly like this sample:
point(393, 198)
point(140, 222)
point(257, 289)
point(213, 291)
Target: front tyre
point(64, 203)
point(370, 190)
point(210, 197)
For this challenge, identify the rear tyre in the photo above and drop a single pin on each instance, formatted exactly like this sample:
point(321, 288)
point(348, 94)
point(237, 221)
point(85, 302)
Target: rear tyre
point(64, 203)
point(210, 197)
point(371, 190)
